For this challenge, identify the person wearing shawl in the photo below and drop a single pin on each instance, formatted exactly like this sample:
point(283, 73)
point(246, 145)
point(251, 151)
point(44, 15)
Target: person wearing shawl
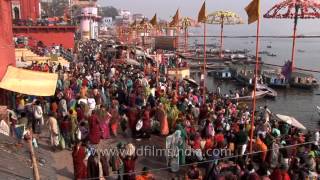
point(78, 156)
point(94, 129)
point(182, 145)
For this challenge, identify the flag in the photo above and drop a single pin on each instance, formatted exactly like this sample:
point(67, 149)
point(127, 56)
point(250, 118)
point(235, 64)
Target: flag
point(153, 21)
point(175, 19)
point(202, 16)
point(253, 11)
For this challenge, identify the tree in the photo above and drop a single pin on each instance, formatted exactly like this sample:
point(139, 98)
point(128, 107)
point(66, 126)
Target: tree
point(109, 11)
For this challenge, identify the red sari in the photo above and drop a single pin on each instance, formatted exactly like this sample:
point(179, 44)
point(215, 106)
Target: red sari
point(80, 168)
point(94, 130)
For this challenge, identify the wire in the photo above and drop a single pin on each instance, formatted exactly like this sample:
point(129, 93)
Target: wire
point(202, 162)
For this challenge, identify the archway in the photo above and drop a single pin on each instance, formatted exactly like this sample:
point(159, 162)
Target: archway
point(16, 11)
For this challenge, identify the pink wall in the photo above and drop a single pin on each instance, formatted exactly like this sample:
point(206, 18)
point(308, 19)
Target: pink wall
point(7, 56)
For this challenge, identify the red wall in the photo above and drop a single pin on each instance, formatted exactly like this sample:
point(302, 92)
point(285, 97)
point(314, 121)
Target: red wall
point(29, 9)
point(7, 56)
point(48, 35)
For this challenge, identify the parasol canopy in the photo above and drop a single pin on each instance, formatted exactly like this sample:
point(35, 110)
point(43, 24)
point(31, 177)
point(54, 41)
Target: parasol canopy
point(291, 121)
point(223, 18)
point(186, 22)
point(295, 9)
point(289, 9)
point(132, 62)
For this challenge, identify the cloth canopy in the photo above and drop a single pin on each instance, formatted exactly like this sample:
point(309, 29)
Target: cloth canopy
point(29, 82)
point(291, 121)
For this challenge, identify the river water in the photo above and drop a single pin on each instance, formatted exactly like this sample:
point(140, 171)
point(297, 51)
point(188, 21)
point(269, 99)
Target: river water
point(298, 103)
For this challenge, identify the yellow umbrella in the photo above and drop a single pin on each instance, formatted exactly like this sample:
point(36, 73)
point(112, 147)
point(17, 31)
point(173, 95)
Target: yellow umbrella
point(185, 23)
point(223, 18)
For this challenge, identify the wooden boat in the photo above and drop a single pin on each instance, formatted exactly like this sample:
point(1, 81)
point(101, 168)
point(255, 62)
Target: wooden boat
point(303, 80)
point(259, 95)
point(271, 92)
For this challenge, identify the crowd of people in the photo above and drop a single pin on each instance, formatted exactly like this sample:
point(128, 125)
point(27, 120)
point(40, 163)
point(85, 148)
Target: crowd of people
point(99, 98)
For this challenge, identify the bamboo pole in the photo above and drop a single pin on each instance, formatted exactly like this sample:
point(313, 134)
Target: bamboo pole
point(34, 161)
point(204, 61)
point(255, 85)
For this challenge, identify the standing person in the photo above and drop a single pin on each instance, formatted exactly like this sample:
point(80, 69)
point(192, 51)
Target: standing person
point(146, 125)
point(78, 156)
point(53, 130)
point(65, 130)
point(161, 116)
point(129, 166)
point(74, 125)
point(104, 118)
point(37, 119)
point(241, 140)
point(94, 129)
point(115, 118)
point(97, 167)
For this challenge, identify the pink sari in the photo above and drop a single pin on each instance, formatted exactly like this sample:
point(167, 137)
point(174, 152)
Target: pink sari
point(104, 125)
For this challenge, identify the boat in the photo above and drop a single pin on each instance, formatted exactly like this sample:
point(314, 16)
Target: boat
point(269, 46)
point(318, 110)
point(259, 95)
point(303, 80)
point(275, 79)
point(271, 92)
point(271, 54)
point(301, 50)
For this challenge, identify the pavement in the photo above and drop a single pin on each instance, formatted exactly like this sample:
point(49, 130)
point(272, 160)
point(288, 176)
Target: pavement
point(64, 166)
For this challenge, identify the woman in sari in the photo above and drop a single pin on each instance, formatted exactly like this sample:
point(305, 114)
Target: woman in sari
point(115, 118)
point(78, 155)
point(104, 119)
point(161, 116)
point(94, 129)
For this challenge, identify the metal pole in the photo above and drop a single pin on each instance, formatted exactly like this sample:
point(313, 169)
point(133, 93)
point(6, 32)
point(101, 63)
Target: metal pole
point(294, 36)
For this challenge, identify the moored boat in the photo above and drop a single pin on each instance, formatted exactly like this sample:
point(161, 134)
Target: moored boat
point(271, 92)
point(303, 80)
point(259, 95)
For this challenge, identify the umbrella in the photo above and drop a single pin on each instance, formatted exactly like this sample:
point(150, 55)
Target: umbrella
point(185, 23)
point(132, 62)
point(295, 9)
point(191, 81)
point(223, 18)
point(291, 121)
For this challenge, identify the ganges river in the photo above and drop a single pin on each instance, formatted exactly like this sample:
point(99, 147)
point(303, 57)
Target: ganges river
point(298, 103)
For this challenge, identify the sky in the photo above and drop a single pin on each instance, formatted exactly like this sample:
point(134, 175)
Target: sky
point(166, 9)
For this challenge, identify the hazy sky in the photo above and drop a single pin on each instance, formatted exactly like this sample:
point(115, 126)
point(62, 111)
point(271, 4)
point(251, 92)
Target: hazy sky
point(166, 8)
